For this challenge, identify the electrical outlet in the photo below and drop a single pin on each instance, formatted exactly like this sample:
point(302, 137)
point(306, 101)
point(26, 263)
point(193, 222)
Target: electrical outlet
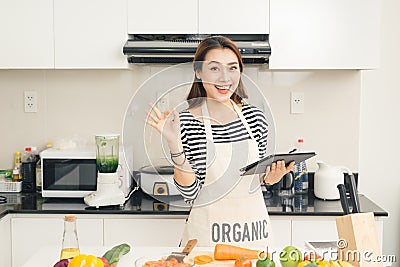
point(297, 102)
point(30, 101)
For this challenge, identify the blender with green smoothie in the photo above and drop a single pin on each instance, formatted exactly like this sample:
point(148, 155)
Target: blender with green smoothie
point(107, 152)
point(108, 191)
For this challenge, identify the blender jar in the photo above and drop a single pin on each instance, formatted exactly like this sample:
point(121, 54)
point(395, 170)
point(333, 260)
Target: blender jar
point(107, 152)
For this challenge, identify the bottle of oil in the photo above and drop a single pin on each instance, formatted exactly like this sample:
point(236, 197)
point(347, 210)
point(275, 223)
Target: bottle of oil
point(70, 246)
point(17, 176)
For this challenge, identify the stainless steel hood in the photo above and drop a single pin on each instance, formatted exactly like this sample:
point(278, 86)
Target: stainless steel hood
point(142, 48)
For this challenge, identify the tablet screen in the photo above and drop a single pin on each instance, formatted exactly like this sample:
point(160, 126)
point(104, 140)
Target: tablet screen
point(261, 165)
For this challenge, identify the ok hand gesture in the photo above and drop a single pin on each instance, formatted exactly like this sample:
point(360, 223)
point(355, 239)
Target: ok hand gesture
point(166, 123)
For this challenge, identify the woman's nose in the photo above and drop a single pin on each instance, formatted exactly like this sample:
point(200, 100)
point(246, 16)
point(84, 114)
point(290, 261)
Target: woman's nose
point(224, 75)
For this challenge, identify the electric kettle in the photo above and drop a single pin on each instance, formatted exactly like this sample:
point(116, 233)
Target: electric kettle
point(326, 179)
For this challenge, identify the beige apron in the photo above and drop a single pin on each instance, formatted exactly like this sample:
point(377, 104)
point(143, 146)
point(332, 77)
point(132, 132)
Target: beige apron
point(226, 210)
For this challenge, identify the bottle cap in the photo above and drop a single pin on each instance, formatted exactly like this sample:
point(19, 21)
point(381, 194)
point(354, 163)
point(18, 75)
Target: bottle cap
point(300, 140)
point(18, 153)
point(70, 218)
point(28, 149)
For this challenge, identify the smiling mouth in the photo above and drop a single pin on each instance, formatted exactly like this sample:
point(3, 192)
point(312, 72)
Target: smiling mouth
point(223, 87)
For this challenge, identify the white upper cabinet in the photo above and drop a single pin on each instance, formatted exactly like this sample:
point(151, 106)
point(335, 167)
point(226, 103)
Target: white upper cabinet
point(26, 29)
point(331, 34)
point(234, 17)
point(90, 34)
point(198, 16)
point(161, 17)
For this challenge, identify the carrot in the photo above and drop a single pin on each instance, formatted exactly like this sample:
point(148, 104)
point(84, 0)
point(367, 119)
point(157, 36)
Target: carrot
point(202, 259)
point(230, 252)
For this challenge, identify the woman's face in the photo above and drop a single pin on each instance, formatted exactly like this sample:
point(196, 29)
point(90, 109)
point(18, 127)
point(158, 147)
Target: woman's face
point(220, 74)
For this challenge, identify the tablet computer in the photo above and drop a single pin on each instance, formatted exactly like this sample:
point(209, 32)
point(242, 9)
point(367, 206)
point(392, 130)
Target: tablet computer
point(261, 165)
point(317, 246)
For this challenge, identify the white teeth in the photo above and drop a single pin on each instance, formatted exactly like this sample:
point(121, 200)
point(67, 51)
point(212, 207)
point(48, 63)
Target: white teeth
point(226, 87)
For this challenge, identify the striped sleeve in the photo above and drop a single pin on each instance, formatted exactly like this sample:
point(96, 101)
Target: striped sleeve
point(194, 145)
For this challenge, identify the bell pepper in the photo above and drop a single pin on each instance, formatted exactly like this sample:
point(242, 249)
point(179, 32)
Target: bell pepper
point(84, 260)
point(322, 263)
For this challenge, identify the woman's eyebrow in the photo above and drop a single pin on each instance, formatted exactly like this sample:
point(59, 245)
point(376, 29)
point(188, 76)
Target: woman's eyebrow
point(230, 63)
point(213, 61)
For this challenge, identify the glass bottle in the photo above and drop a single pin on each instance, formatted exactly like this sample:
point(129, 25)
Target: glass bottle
point(300, 171)
point(27, 156)
point(17, 176)
point(70, 246)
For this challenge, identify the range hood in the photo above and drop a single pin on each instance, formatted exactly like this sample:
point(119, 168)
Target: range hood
point(157, 48)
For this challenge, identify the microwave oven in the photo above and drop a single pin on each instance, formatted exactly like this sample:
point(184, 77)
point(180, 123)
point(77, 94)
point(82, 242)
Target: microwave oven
point(72, 173)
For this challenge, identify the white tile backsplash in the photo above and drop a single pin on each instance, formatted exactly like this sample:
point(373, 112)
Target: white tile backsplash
point(80, 103)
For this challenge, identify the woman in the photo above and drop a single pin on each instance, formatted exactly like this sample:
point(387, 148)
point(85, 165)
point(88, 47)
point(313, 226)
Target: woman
point(210, 141)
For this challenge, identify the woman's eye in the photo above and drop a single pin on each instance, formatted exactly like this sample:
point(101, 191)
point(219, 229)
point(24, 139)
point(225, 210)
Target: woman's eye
point(234, 68)
point(214, 68)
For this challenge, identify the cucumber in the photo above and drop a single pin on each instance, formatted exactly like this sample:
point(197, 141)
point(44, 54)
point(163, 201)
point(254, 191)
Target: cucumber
point(116, 252)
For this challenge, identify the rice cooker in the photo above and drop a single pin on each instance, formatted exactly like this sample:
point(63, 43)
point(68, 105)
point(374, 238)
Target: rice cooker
point(158, 180)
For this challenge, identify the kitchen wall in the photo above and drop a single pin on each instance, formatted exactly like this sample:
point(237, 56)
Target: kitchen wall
point(380, 128)
point(76, 104)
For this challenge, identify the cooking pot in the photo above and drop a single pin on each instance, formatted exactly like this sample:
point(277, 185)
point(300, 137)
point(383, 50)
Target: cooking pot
point(158, 180)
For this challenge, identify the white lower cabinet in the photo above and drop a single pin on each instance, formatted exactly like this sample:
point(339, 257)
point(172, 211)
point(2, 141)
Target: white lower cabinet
point(144, 231)
point(29, 234)
point(5, 237)
point(281, 231)
point(313, 229)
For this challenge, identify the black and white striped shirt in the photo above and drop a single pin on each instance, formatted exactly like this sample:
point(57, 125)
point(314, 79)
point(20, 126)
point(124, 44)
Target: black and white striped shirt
point(193, 137)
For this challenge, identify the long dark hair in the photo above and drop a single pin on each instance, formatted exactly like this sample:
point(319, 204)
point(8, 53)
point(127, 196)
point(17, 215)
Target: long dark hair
point(197, 92)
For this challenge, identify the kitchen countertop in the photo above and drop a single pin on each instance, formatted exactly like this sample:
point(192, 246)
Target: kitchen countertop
point(136, 257)
point(47, 256)
point(140, 203)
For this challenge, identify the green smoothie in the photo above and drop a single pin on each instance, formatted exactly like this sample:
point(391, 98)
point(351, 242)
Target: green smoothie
point(107, 164)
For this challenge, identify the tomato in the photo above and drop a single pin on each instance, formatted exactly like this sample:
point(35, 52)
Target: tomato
point(166, 263)
point(153, 264)
point(243, 262)
point(311, 256)
point(105, 261)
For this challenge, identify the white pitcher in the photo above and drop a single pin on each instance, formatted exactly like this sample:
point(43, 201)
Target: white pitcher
point(326, 179)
